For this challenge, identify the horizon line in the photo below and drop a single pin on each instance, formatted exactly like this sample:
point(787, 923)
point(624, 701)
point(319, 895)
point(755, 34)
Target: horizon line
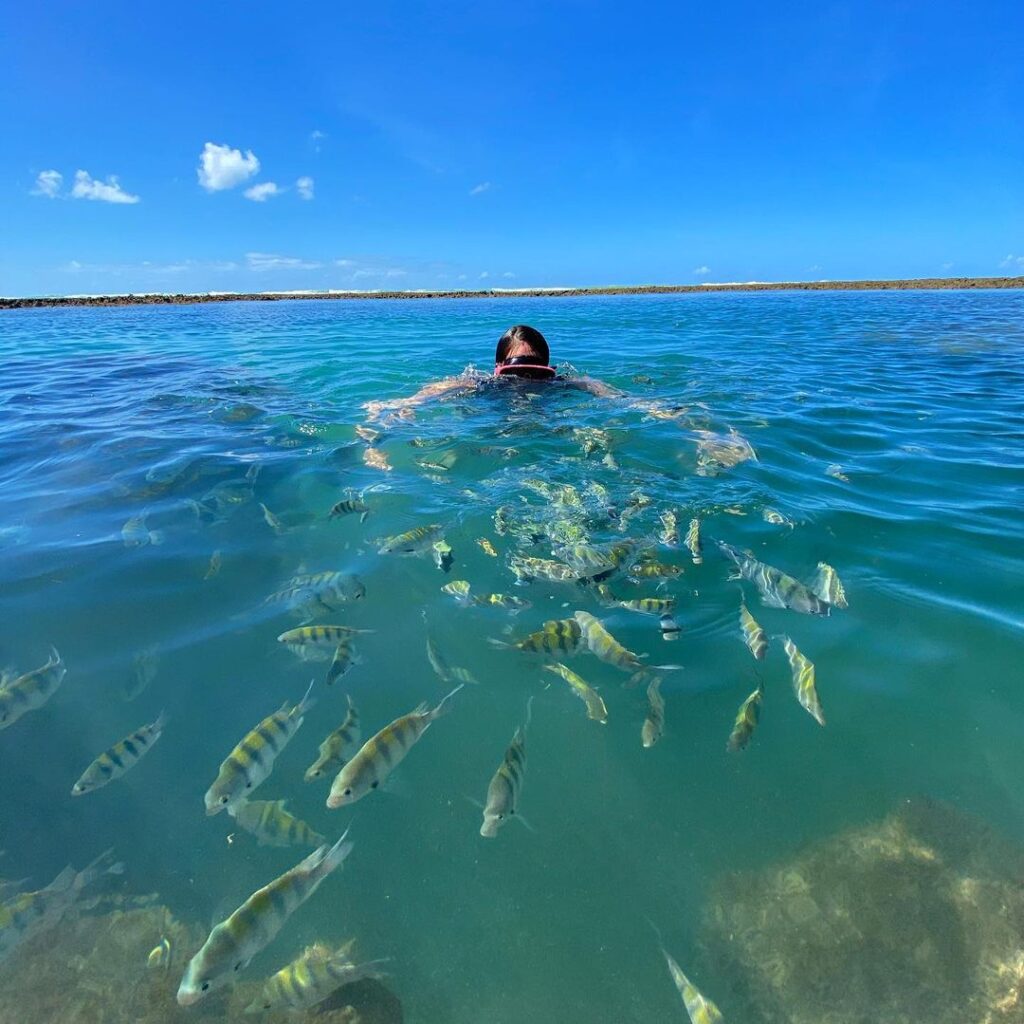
point(188, 298)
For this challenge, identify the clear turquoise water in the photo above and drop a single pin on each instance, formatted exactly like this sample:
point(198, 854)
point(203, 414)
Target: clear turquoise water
point(918, 397)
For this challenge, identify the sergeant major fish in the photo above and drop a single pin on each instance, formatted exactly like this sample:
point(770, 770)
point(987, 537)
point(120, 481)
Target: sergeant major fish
point(803, 681)
point(700, 1009)
point(121, 757)
point(318, 636)
point(754, 635)
point(669, 535)
point(777, 589)
point(607, 649)
point(693, 542)
point(272, 521)
point(506, 783)
point(349, 506)
point(596, 709)
point(337, 747)
point(556, 636)
point(254, 925)
point(747, 718)
point(160, 955)
point(136, 534)
point(252, 761)
point(380, 754)
point(272, 825)
point(654, 724)
point(526, 569)
point(31, 913)
point(412, 542)
point(829, 587)
point(309, 979)
point(344, 658)
point(30, 691)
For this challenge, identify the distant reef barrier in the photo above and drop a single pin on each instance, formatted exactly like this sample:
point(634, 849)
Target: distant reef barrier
point(162, 299)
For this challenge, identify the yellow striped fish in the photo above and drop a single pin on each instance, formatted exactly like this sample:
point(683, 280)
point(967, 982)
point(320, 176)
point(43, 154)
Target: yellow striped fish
point(596, 710)
point(700, 1009)
point(253, 926)
point(693, 541)
point(272, 521)
point(160, 955)
point(252, 761)
point(829, 587)
point(344, 658)
point(803, 681)
point(649, 605)
point(272, 825)
point(376, 459)
point(517, 604)
point(31, 913)
point(487, 547)
point(587, 560)
point(556, 636)
point(655, 571)
point(30, 691)
point(526, 569)
point(506, 783)
point(459, 589)
point(777, 589)
point(311, 978)
point(602, 644)
point(654, 723)
point(335, 750)
point(121, 757)
point(380, 754)
point(669, 535)
point(412, 542)
point(747, 718)
point(349, 506)
point(319, 636)
point(439, 663)
point(754, 635)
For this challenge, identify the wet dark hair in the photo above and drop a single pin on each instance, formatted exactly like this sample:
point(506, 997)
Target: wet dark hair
point(522, 335)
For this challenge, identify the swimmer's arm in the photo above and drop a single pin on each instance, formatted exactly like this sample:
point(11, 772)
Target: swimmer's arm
point(598, 387)
point(432, 390)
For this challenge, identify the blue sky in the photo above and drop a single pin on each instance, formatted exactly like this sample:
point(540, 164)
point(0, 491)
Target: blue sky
point(506, 145)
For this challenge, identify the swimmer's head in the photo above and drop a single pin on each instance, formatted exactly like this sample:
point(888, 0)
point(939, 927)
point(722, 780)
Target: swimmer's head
point(523, 352)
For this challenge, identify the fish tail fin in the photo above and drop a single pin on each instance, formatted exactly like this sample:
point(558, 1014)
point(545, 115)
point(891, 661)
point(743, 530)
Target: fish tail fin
point(55, 655)
point(160, 723)
point(104, 864)
point(441, 709)
point(336, 854)
point(308, 700)
point(501, 644)
point(157, 537)
point(529, 713)
point(638, 677)
point(667, 668)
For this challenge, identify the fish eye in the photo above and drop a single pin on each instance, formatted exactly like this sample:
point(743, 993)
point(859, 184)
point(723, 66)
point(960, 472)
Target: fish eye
point(248, 785)
point(205, 987)
point(223, 799)
point(348, 792)
point(238, 966)
point(374, 784)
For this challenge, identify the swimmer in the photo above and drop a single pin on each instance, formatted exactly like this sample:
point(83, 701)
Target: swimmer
point(522, 352)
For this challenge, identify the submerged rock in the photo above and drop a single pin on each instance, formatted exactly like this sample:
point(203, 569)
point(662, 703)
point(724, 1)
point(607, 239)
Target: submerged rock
point(92, 970)
point(917, 918)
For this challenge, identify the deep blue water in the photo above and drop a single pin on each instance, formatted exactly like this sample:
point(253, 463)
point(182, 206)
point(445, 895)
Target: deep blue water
point(888, 429)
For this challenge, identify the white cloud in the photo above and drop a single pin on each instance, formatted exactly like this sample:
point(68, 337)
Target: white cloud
point(508, 273)
point(263, 191)
point(108, 191)
point(478, 189)
point(48, 184)
point(305, 187)
point(701, 271)
point(486, 273)
point(947, 265)
point(221, 167)
point(315, 138)
point(260, 261)
point(1012, 262)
